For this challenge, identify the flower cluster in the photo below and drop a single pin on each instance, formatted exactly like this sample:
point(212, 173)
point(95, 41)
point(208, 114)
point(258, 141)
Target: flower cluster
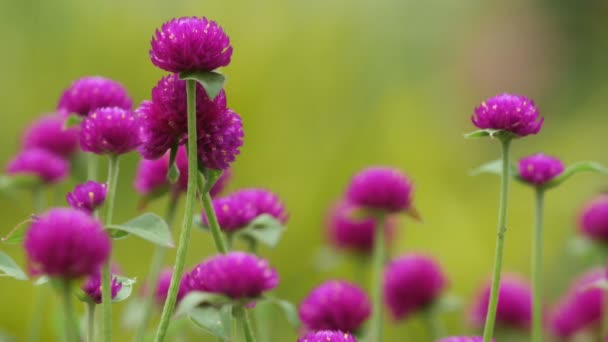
point(90, 93)
point(511, 113)
point(87, 196)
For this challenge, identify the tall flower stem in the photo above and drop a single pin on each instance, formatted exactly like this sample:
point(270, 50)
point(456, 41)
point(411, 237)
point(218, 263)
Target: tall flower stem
point(379, 256)
point(214, 225)
point(242, 315)
point(158, 259)
point(71, 330)
point(106, 276)
point(41, 293)
point(90, 322)
point(500, 240)
point(537, 257)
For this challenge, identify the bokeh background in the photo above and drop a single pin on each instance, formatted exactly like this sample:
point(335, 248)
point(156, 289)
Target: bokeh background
point(326, 88)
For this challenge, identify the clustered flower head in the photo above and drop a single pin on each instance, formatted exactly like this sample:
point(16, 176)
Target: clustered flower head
point(335, 305)
point(110, 130)
point(514, 304)
point(66, 243)
point(381, 188)
point(235, 274)
point(327, 336)
point(87, 196)
point(90, 93)
point(48, 133)
point(190, 44)
point(412, 283)
point(593, 220)
point(539, 169)
point(219, 140)
point(49, 167)
point(162, 287)
point(512, 113)
point(462, 339)
point(92, 285)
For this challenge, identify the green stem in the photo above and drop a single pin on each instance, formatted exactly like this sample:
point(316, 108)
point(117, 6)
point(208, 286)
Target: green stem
point(106, 276)
point(242, 315)
point(379, 255)
point(90, 322)
point(184, 238)
point(537, 257)
point(158, 259)
point(71, 331)
point(41, 294)
point(92, 166)
point(433, 324)
point(500, 241)
point(214, 226)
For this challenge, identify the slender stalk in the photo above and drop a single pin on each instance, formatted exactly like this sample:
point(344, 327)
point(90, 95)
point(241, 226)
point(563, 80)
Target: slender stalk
point(71, 331)
point(106, 276)
point(41, 293)
point(90, 322)
point(92, 166)
point(214, 226)
point(158, 259)
point(242, 315)
point(537, 257)
point(500, 241)
point(433, 324)
point(379, 256)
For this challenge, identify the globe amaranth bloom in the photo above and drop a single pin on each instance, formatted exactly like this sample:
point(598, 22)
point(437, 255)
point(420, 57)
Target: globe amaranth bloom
point(335, 305)
point(92, 285)
point(48, 133)
point(110, 130)
point(40, 163)
point(66, 243)
point(539, 169)
point(462, 339)
point(381, 188)
point(580, 308)
point(514, 308)
point(236, 275)
point(190, 44)
point(162, 287)
point(593, 219)
point(327, 336)
point(90, 93)
point(219, 140)
point(512, 113)
point(411, 283)
point(87, 196)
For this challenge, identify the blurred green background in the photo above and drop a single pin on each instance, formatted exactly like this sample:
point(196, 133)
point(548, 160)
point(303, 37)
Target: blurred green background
point(326, 88)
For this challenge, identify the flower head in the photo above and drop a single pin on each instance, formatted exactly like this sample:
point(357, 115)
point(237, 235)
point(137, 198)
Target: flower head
point(110, 130)
point(236, 275)
point(47, 166)
point(190, 44)
point(381, 188)
point(593, 220)
point(511, 113)
point(90, 93)
point(539, 169)
point(327, 336)
point(514, 304)
point(47, 133)
point(412, 283)
point(335, 305)
point(219, 140)
point(462, 339)
point(66, 243)
point(92, 285)
point(87, 196)
point(162, 287)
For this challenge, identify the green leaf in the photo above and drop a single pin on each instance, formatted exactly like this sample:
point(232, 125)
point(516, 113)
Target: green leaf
point(212, 81)
point(490, 133)
point(494, 167)
point(209, 318)
point(149, 227)
point(195, 299)
point(117, 234)
point(8, 267)
point(125, 290)
point(17, 234)
point(588, 166)
point(173, 173)
point(265, 229)
point(41, 281)
point(72, 120)
point(133, 313)
point(289, 310)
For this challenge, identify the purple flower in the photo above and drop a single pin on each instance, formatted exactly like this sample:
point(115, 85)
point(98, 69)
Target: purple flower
point(41, 163)
point(335, 305)
point(412, 283)
point(511, 113)
point(190, 44)
point(110, 131)
point(162, 287)
point(514, 304)
point(462, 339)
point(327, 336)
point(90, 93)
point(47, 133)
point(381, 188)
point(66, 243)
point(87, 196)
point(219, 140)
point(356, 235)
point(580, 307)
point(539, 169)
point(593, 220)
point(92, 285)
point(151, 175)
point(236, 275)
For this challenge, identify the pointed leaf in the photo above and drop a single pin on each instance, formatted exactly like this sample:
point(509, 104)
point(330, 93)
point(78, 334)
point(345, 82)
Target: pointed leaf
point(265, 229)
point(149, 227)
point(588, 166)
point(125, 290)
point(195, 299)
point(211, 177)
point(212, 81)
point(41, 281)
point(209, 318)
point(8, 267)
point(17, 234)
point(482, 133)
point(72, 120)
point(493, 167)
point(289, 310)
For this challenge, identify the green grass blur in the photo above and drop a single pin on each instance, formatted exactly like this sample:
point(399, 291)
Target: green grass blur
point(326, 88)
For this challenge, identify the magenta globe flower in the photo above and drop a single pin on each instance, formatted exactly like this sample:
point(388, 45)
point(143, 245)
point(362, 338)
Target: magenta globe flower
point(593, 219)
point(462, 339)
point(40, 163)
point(92, 285)
point(236, 275)
point(162, 287)
point(190, 44)
point(219, 140)
point(539, 169)
point(110, 131)
point(512, 113)
point(514, 304)
point(411, 284)
point(87, 196)
point(66, 243)
point(381, 188)
point(335, 305)
point(47, 133)
point(327, 336)
point(90, 93)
